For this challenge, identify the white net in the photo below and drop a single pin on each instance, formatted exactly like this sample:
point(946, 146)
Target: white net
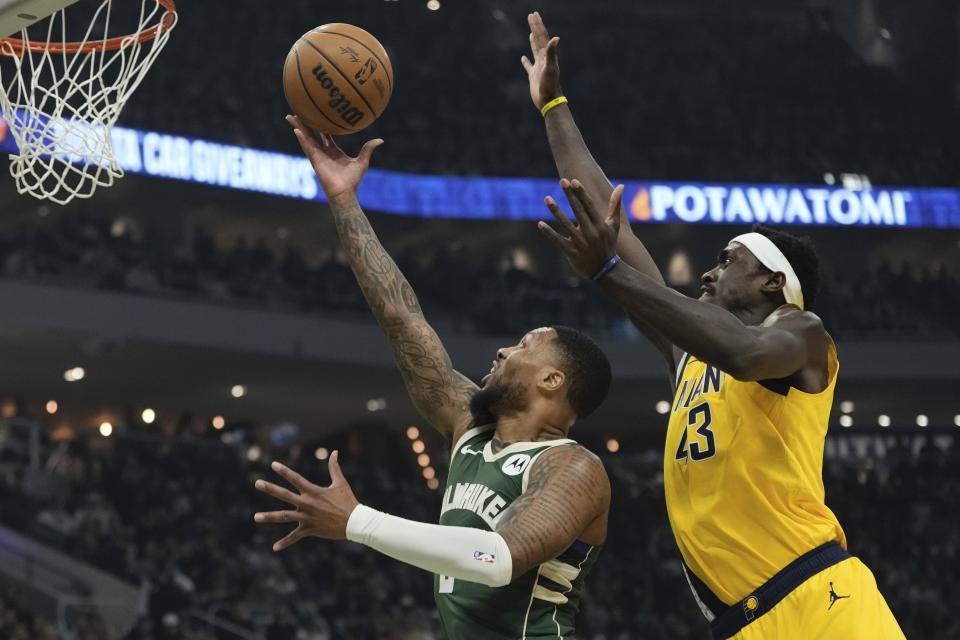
point(61, 94)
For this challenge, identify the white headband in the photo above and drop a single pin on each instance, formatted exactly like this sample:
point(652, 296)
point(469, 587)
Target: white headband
point(772, 258)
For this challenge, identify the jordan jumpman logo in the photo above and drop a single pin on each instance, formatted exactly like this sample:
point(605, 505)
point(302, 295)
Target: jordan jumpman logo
point(834, 597)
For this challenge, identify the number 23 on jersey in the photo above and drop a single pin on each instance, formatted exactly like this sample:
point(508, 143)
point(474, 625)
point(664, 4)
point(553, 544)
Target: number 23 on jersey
point(703, 443)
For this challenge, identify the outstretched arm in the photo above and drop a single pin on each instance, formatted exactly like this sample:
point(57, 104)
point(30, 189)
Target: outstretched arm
point(568, 491)
point(574, 160)
point(440, 393)
point(779, 348)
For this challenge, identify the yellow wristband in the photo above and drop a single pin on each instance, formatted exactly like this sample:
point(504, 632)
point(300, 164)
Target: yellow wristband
point(550, 105)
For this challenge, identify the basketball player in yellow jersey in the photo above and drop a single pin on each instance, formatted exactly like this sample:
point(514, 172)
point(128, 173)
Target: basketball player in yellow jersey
point(754, 373)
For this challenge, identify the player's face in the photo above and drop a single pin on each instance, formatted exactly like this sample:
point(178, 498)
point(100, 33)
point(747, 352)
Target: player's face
point(735, 282)
point(513, 376)
point(517, 364)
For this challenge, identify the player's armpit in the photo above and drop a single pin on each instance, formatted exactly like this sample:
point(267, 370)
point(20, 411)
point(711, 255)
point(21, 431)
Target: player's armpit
point(568, 490)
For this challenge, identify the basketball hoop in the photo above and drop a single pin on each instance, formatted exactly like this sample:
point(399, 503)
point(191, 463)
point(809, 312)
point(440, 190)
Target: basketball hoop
point(61, 97)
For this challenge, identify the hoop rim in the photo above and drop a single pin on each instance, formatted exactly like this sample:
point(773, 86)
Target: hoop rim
point(17, 46)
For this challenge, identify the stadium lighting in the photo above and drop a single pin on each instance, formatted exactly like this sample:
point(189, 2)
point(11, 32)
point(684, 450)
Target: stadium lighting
point(52, 406)
point(846, 421)
point(956, 419)
point(413, 433)
point(238, 391)
point(885, 34)
point(148, 415)
point(429, 473)
point(423, 460)
point(613, 445)
point(418, 446)
point(321, 453)
point(253, 453)
point(74, 375)
point(883, 420)
point(433, 5)
point(663, 407)
point(433, 483)
point(218, 422)
point(376, 404)
point(106, 429)
point(9, 409)
point(922, 420)
point(847, 407)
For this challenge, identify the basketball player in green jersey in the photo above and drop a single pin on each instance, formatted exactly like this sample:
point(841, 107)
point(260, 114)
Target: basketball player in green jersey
point(524, 513)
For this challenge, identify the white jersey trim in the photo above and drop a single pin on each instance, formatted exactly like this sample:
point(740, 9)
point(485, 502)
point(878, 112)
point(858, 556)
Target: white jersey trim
point(469, 433)
point(680, 367)
point(517, 447)
point(704, 609)
point(526, 619)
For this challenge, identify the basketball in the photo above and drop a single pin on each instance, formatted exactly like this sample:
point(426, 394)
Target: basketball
point(338, 79)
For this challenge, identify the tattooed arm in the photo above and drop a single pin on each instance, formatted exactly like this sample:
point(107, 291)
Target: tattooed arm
point(567, 498)
point(441, 394)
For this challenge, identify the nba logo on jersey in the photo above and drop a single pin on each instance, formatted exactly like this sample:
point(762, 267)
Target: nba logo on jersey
point(516, 464)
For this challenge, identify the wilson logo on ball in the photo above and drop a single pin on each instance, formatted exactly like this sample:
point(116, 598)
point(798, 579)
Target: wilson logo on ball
point(338, 102)
point(337, 78)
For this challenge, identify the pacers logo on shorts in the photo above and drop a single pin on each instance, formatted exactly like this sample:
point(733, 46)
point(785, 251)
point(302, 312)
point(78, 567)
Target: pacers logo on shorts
point(751, 605)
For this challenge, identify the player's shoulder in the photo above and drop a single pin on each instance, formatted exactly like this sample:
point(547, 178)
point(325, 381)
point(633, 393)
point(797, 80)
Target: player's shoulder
point(795, 319)
point(572, 461)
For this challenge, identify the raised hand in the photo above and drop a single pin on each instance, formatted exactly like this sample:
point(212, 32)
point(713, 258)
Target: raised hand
point(321, 512)
point(544, 71)
point(590, 243)
point(338, 173)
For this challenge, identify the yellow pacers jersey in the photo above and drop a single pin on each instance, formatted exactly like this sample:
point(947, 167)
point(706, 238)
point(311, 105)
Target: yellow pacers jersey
point(743, 476)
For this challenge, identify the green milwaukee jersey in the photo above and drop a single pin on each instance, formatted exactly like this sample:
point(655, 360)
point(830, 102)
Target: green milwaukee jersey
point(542, 604)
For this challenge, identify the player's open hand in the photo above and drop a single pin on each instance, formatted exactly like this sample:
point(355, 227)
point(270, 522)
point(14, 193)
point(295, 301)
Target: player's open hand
point(321, 512)
point(590, 243)
point(338, 173)
point(544, 71)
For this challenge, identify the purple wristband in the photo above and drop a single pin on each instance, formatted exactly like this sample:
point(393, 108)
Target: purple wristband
point(607, 267)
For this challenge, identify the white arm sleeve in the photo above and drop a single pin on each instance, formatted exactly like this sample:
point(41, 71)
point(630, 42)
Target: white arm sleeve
point(463, 553)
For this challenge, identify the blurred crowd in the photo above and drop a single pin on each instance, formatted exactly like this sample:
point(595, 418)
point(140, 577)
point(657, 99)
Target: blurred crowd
point(174, 514)
point(17, 622)
point(694, 92)
point(509, 291)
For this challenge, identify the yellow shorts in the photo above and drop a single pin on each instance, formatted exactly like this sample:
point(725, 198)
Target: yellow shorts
point(841, 602)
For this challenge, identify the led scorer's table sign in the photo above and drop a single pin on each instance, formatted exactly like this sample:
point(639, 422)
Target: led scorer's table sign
point(211, 163)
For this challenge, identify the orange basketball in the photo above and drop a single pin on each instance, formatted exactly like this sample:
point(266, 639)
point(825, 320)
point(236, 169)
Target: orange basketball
point(338, 79)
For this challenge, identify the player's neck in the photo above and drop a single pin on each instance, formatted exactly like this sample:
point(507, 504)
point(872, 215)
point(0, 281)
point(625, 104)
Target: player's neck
point(526, 427)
